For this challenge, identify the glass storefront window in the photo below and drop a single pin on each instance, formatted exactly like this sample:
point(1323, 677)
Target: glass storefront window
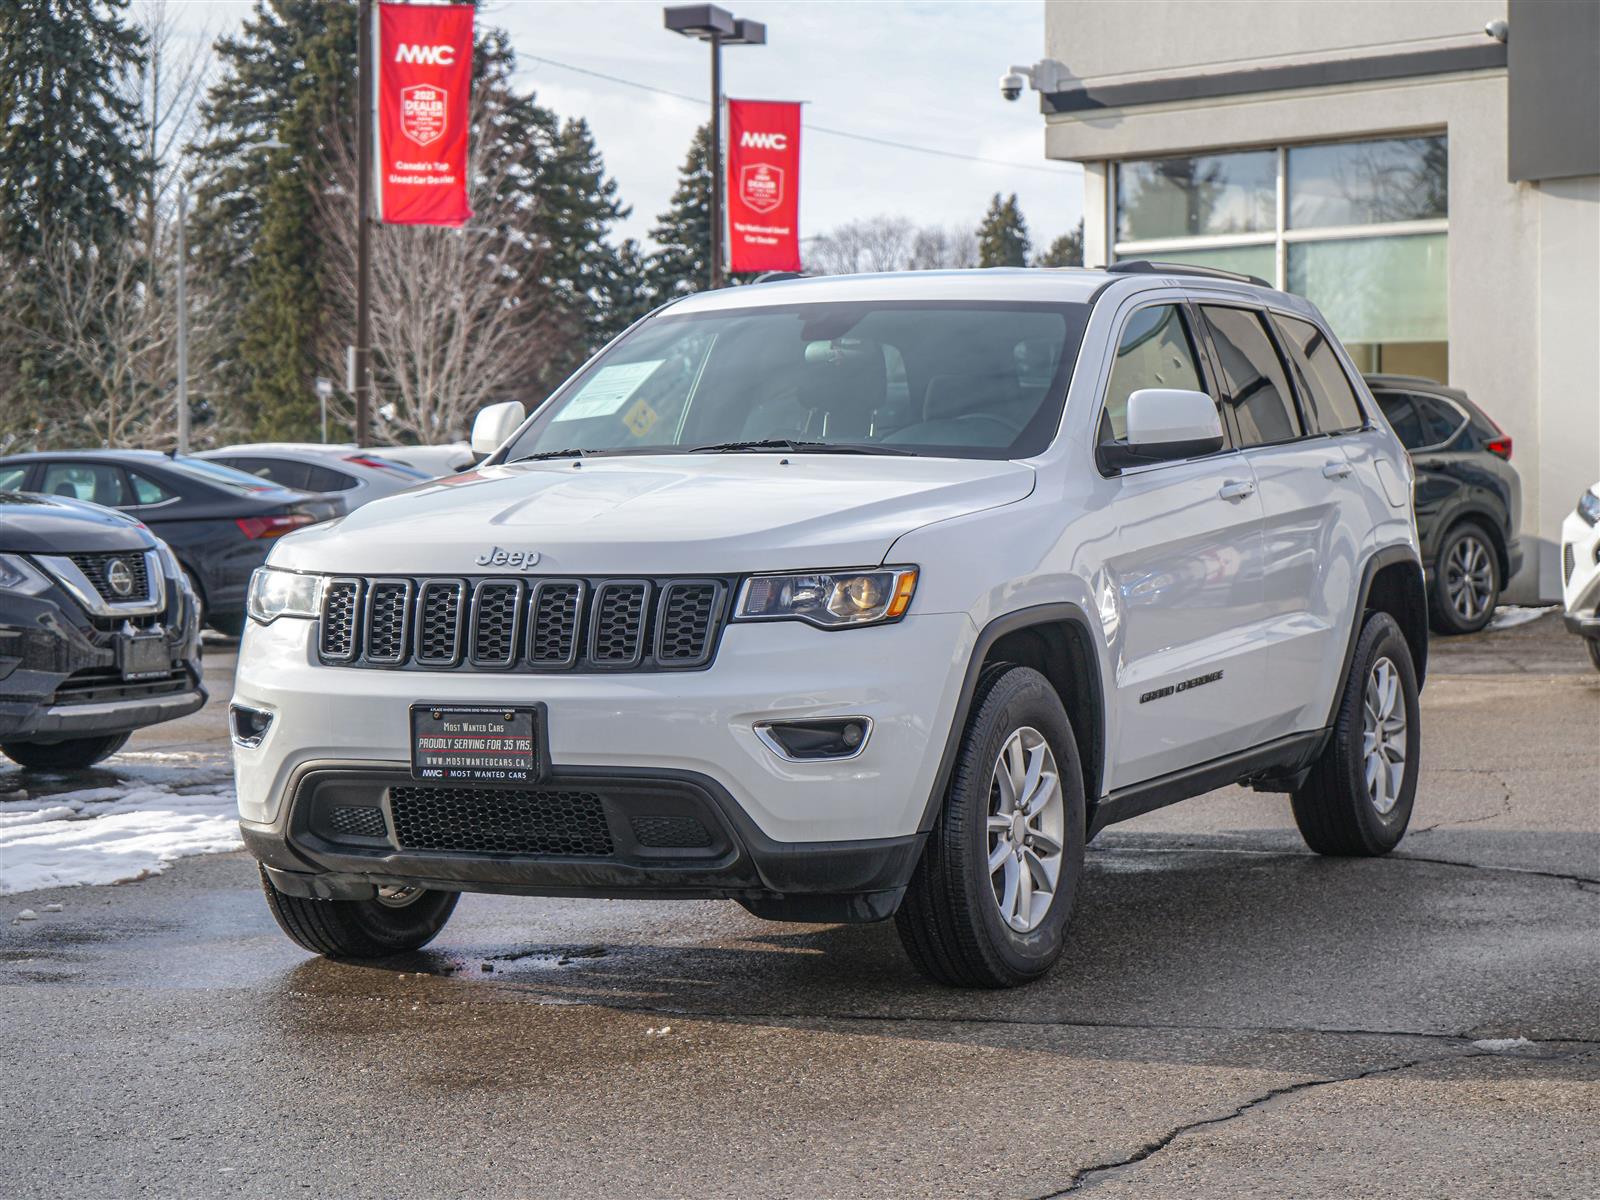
point(1368, 183)
point(1246, 260)
point(1195, 195)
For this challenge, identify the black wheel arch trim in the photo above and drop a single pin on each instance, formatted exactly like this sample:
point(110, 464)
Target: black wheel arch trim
point(1012, 622)
point(1387, 556)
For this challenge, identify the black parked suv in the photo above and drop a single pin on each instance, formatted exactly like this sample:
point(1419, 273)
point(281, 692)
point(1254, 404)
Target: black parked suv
point(219, 522)
point(99, 632)
point(1468, 498)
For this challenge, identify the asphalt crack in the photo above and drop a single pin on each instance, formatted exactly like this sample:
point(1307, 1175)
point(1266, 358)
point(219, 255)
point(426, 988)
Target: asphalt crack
point(1505, 799)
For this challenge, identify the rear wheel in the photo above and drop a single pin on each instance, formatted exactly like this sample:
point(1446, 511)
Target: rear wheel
point(990, 900)
point(398, 919)
point(1466, 581)
point(71, 755)
point(1358, 797)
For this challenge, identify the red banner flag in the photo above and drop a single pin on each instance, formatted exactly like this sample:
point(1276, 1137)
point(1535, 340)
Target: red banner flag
point(424, 89)
point(763, 185)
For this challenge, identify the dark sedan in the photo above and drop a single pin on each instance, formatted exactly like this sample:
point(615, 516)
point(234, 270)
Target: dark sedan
point(1468, 498)
point(219, 522)
point(99, 633)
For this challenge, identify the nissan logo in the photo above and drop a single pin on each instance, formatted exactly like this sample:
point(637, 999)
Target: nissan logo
point(118, 578)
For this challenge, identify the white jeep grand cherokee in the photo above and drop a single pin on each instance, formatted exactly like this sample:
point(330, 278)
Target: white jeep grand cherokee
point(846, 599)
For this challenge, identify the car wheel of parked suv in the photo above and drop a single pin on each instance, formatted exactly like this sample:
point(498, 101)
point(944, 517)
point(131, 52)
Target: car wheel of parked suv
point(1466, 581)
point(989, 903)
point(1358, 798)
point(396, 920)
point(70, 755)
point(1594, 651)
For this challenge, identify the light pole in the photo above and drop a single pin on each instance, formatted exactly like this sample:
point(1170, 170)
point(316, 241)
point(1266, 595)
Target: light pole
point(708, 23)
point(183, 318)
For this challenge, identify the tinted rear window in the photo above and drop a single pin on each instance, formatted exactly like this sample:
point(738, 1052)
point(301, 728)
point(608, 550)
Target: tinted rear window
point(1332, 399)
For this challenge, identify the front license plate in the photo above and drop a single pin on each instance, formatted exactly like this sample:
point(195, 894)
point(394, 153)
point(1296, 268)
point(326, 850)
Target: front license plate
point(143, 657)
point(474, 743)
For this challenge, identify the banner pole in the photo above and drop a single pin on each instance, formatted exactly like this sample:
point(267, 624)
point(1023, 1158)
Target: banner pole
point(716, 159)
point(365, 94)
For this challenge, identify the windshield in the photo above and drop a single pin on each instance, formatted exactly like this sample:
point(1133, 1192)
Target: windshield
point(963, 380)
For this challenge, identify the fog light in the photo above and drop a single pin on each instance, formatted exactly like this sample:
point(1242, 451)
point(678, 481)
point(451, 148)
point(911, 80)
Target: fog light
point(248, 725)
point(819, 740)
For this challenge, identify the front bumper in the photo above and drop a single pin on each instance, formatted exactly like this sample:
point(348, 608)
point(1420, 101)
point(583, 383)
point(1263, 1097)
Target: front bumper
point(1580, 568)
point(820, 828)
point(61, 722)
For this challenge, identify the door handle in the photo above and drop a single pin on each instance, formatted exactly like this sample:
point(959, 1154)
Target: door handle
point(1336, 470)
point(1237, 489)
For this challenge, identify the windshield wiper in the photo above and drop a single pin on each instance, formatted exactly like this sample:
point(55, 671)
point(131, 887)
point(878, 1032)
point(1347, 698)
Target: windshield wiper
point(801, 447)
point(569, 452)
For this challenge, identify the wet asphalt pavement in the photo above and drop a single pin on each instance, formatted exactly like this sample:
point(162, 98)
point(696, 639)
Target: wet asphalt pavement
point(1234, 1016)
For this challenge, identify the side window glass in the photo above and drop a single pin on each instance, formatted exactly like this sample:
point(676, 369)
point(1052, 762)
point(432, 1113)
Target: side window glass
point(147, 491)
point(11, 478)
point(1258, 388)
point(1440, 421)
point(1333, 402)
point(1155, 351)
point(1402, 416)
point(325, 479)
point(99, 483)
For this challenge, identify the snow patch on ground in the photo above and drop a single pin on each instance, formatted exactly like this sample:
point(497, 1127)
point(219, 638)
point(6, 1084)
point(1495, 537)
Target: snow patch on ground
point(1499, 1045)
point(108, 835)
point(1509, 616)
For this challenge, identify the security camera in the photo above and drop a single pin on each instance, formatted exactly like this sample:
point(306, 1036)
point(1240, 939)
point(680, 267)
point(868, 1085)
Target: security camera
point(1497, 29)
point(1011, 85)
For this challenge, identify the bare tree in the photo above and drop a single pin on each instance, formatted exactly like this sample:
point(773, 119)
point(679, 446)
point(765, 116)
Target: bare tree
point(457, 317)
point(937, 248)
point(891, 243)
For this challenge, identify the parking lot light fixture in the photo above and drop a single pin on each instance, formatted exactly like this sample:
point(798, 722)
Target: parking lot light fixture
point(709, 23)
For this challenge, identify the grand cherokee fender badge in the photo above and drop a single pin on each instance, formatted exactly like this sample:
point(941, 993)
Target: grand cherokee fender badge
point(517, 560)
point(1173, 689)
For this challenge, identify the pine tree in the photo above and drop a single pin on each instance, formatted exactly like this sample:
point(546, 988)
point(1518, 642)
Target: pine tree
point(1065, 251)
point(1003, 235)
point(70, 145)
point(682, 264)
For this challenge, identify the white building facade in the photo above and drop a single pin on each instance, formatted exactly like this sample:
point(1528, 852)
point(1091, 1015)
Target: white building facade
point(1434, 189)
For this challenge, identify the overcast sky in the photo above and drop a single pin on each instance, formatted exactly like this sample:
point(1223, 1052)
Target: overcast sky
point(921, 74)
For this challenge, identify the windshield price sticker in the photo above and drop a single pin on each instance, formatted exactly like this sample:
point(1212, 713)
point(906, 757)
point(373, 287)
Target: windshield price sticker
point(474, 743)
point(609, 389)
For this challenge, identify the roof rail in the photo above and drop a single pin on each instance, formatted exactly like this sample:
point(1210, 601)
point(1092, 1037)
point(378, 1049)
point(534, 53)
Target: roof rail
point(1145, 266)
point(777, 276)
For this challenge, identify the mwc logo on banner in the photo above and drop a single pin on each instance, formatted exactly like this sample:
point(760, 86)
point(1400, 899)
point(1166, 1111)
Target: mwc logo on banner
point(763, 185)
point(424, 87)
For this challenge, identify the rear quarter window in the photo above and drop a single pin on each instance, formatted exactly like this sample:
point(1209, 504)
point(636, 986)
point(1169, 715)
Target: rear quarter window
point(1328, 391)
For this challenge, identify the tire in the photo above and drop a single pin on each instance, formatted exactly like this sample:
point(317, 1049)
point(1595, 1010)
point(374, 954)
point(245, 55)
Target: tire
point(228, 624)
point(1466, 581)
point(1338, 810)
point(1594, 651)
point(951, 920)
point(73, 755)
point(360, 928)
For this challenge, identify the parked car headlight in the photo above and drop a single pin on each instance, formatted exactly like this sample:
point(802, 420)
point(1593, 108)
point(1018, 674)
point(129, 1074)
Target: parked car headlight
point(275, 594)
point(19, 575)
point(829, 599)
point(1589, 508)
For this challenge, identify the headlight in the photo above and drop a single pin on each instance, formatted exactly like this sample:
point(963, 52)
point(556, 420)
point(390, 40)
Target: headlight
point(1589, 508)
point(19, 575)
point(275, 594)
point(829, 599)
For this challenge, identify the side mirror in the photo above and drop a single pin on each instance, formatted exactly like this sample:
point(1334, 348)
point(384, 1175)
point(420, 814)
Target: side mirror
point(1165, 424)
point(495, 424)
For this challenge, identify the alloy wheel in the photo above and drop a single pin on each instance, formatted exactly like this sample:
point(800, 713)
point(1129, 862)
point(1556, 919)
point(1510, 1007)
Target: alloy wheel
point(1383, 740)
point(1469, 578)
point(398, 897)
point(1026, 828)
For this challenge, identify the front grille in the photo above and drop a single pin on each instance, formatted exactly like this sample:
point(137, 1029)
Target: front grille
point(670, 832)
point(95, 568)
point(523, 624)
point(357, 820)
point(100, 685)
point(463, 820)
point(1569, 563)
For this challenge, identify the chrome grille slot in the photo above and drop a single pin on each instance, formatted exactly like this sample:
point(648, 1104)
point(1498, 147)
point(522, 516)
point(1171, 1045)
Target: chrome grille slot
point(96, 566)
point(616, 624)
point(553, 621)
point(388, 625)
point(341, 602)
point(686, 619)
point(439, 622)
point(496, 607)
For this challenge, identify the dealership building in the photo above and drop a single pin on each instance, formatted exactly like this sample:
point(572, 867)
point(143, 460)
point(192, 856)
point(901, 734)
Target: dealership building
point(1432, 187)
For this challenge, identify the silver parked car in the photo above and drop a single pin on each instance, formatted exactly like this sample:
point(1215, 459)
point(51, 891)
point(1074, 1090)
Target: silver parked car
point(346, 476)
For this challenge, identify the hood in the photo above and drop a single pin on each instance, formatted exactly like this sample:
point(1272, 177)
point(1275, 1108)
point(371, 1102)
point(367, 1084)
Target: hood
point(659, 515)
point(32, 524)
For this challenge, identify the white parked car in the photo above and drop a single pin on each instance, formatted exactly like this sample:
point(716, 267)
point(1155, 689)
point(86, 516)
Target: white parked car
point(1580, 571)
point(847, 599)
point(433, 461)
point(348, 477)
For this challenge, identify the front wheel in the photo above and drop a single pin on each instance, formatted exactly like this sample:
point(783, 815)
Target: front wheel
point(1358, 797)
point(398, 919)
point(1594, 651)
point(990, 900)
point(71, 755)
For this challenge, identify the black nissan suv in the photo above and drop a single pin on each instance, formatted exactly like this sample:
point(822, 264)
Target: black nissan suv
point(99, 632)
